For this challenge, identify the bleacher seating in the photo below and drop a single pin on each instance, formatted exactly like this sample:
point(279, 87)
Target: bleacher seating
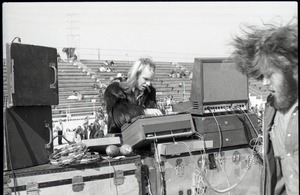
point(178, 87)
point(74, 77)
point(256, 88)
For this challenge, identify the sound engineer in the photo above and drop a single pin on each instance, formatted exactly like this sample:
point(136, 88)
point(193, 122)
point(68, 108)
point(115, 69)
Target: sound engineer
point(270, 54)
point(133, 97)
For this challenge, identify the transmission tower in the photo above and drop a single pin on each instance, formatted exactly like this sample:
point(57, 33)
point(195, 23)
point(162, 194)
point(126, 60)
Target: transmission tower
point(73, 32)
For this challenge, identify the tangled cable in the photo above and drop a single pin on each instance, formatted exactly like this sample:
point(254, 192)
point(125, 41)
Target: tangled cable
point(73, 154)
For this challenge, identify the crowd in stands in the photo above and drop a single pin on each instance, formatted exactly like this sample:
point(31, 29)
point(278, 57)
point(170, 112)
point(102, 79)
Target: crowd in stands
point(166, 106)
point(179, 72)
point(85, 131)
point(106, 63)
point(106, 67)
point(257, 109)
point(91, 130)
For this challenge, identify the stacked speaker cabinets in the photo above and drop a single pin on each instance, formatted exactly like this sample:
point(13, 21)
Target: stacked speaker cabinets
point(32, 89)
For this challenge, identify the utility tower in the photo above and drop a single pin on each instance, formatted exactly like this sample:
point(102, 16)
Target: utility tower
point(73, 32)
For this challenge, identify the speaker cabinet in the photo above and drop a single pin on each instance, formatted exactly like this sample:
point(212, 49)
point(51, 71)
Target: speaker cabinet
point(27, 132)
point(31, 75)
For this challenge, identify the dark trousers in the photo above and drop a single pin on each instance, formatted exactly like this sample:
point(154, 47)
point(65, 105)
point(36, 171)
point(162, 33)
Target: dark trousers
point(59, 133)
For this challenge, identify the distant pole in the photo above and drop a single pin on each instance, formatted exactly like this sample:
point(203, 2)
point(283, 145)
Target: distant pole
point(98, 53)
point(183, 90)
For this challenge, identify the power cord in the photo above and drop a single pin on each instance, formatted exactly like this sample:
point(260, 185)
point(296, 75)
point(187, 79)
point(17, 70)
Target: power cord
point(109, 165)
point(7, 145)
point(259, 139)
point(162, 178)
point(249, 120)
point(219, 129)
point(248, 166)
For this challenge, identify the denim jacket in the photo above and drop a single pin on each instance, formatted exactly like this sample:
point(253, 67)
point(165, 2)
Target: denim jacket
point(281, 163)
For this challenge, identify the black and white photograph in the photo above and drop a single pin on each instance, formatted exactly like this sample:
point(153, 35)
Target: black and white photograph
point(150, 98)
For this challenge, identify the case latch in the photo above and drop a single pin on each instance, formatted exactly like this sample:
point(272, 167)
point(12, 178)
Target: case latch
point(6, 179)
point(77, 183)
point(236, 157)
point(6, 190)
point(32, 188)
point(179, 167)
point(119, 177)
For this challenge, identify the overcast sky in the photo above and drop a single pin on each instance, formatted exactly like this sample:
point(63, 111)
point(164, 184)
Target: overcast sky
point(169, 31)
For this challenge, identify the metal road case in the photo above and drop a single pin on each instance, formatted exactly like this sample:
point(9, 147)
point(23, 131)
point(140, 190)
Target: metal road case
point(179, 173)
point(113, 177)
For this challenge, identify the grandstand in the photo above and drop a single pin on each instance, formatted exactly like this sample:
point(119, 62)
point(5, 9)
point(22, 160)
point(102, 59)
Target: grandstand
point(72, 78)
point(82, 76)
point(164, 85)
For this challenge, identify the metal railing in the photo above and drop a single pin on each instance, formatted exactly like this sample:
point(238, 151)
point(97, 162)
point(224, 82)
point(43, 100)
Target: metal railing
point(126, 55)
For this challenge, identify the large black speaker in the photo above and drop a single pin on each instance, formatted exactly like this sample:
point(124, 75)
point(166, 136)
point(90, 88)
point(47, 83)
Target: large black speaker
point(27, 133)
point(31, 75)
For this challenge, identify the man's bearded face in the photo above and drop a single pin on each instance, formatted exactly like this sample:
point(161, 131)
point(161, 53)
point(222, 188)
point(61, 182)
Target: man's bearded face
point(283, 88)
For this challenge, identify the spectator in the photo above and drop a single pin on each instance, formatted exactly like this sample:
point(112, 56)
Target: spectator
point(169, 100)
point(74, 58)
point(96, 130)
point(69, 52)
point(119, 78)
point(59, 59)
point(86, 128)
point(182, 72)
point(191, 76)
point(59, 129)
point(79, 96)
point(260, 110)
point(255, 109)
point(79, 133)
point(109, 70)
point(75, 96)
point(106, 63)
point(100, 113)
point(102, 68)
point(173, 73)
point(111, 63)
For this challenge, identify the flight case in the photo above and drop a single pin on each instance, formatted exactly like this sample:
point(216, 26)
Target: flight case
point(113, 177)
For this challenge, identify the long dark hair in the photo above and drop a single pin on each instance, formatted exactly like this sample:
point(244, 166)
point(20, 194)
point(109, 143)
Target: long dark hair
point(267, 47)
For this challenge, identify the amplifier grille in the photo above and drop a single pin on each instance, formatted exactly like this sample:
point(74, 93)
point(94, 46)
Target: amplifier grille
point(195, 105)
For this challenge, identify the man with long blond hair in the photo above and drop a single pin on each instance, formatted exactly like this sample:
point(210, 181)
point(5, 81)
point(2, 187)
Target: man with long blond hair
point(270, 54)
point(133, 97)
